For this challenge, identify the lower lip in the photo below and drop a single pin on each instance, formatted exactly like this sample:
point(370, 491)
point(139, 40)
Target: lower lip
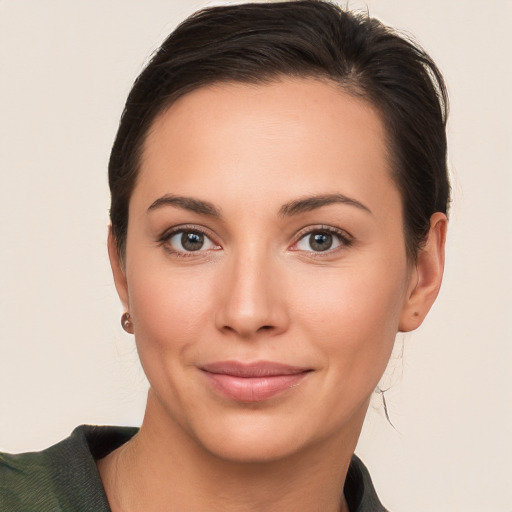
point(253, 389)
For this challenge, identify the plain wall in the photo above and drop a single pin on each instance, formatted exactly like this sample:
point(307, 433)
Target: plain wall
point(66, 68)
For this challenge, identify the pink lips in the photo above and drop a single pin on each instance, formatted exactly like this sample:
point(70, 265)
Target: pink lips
point(252, 382)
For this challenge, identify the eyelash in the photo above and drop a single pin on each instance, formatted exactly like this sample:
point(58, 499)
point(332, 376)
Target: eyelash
point(167, 235)
point(345, 240)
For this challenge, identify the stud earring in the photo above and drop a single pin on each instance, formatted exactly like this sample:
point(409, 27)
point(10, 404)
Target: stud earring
point(126, 322)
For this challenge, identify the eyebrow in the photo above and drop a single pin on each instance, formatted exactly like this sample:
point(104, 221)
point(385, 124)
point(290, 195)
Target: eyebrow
point(295, 207)
point(186, 203)
point(310, 203)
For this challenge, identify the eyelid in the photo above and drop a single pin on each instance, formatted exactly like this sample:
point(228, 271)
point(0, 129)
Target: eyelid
point(345, 238)
point(168, 233)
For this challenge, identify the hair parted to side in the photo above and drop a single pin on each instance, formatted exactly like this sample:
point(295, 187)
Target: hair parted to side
point(261, 42)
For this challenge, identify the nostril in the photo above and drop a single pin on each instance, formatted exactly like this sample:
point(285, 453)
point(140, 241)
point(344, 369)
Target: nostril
point(265, 328)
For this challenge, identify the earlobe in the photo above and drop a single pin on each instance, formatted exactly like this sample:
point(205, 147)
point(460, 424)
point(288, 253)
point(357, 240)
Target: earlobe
point(118, 270)
point(426, 277)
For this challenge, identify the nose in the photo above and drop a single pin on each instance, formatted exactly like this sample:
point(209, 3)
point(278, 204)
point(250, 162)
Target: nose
point(251, 297)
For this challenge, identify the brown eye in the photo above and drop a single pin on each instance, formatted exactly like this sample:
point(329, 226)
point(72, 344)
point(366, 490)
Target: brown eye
point(320, 241)
point(187, 241)
point(192, 241)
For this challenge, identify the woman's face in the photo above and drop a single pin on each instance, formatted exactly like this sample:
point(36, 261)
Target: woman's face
point(265, 271)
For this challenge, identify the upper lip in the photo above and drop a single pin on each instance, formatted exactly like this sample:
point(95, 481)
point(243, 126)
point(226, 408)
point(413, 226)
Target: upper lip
point(252, 370)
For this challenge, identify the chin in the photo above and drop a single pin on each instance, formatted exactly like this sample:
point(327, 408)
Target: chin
point(258, 436)
point(287, 425)
point(255, 445)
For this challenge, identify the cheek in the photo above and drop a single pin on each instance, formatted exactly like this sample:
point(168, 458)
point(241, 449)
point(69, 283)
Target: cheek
point(169, 309)
point(353, 316)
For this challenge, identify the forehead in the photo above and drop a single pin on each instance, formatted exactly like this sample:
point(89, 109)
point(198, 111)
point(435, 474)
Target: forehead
point(289, 137)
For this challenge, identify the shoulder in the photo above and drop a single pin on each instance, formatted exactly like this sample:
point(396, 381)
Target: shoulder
point(63, 477)
point(359, 490)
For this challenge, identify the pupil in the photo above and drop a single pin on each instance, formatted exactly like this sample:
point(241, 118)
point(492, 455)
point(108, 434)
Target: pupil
point(320, 241)
point(192, 241)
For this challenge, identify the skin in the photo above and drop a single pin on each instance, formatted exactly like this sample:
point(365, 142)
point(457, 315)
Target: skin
point(257, 291)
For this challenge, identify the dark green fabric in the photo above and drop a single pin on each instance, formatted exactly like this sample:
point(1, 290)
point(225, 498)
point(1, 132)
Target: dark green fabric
point(359, 491)
point(64, 478)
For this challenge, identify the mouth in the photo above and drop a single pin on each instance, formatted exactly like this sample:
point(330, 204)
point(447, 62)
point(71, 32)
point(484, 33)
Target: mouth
point(252, 382)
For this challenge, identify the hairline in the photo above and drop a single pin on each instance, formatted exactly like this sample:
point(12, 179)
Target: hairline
point(350, 86)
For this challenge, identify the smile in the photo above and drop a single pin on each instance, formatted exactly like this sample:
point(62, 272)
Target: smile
point(252, 382)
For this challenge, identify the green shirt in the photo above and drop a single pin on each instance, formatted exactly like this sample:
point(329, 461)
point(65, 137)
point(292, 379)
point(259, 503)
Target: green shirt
point(64, 477)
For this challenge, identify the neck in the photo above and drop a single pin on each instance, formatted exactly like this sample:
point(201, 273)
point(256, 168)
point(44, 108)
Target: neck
point(162, 469)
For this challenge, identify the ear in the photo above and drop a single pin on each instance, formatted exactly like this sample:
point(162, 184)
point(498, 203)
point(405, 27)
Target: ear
point(118, 270)
point(426, 277)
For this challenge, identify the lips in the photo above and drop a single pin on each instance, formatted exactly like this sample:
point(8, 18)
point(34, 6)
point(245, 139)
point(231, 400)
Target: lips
point(253, 382)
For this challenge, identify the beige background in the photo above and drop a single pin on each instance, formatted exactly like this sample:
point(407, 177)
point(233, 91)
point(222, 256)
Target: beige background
point(66, 68)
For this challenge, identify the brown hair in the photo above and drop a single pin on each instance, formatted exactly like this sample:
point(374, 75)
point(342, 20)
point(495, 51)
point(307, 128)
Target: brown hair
point(256, 43)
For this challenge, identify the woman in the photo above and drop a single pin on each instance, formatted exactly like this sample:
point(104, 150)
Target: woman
point(279, 198)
